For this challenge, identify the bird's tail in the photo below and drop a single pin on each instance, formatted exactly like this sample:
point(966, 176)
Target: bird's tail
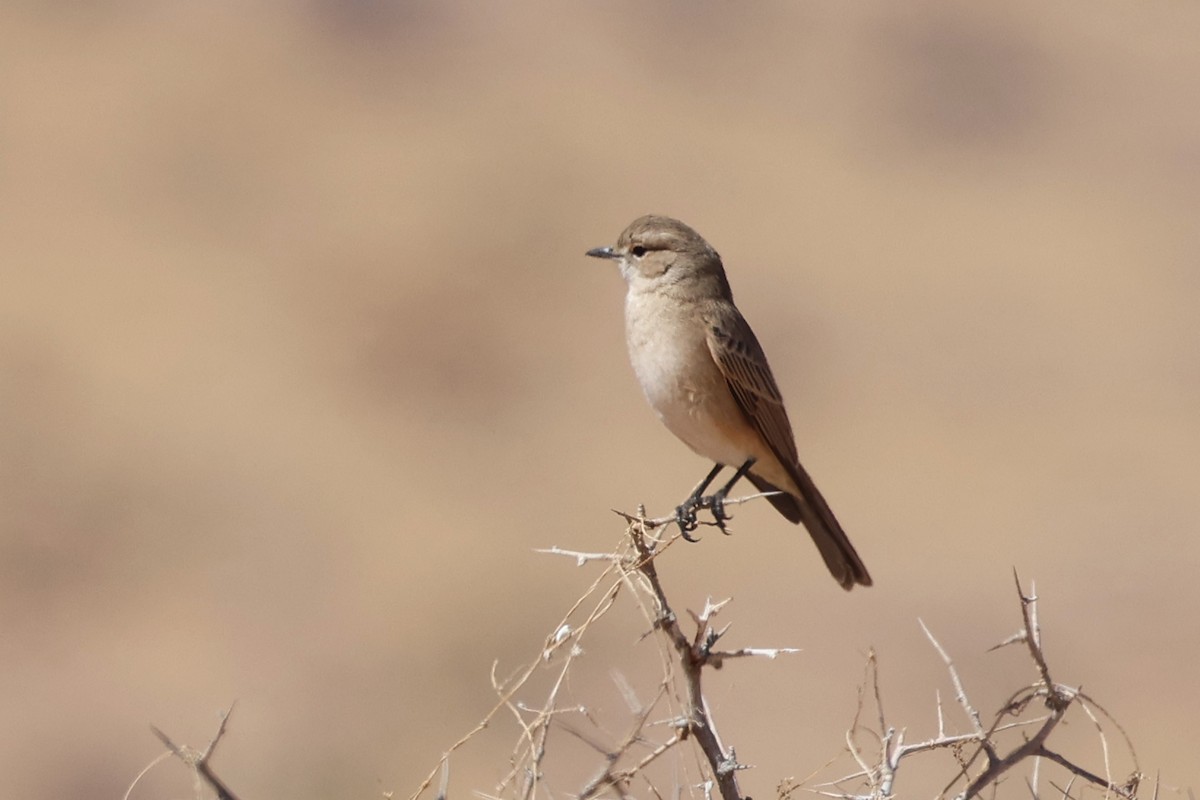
point(811, 509)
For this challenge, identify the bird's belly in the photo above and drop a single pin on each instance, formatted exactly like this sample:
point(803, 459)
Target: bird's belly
point(689, 393)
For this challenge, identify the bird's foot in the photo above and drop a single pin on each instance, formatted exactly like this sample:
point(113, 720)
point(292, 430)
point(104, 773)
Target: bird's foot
point(685, 517)
point(720, 515)
point(685, 514)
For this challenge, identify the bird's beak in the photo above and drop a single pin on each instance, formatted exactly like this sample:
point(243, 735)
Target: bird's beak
point(603, 252)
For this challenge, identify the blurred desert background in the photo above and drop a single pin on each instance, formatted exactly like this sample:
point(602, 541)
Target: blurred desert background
point(301, 358)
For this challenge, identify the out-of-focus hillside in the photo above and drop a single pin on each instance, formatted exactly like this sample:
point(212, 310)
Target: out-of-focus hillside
point(300, 358)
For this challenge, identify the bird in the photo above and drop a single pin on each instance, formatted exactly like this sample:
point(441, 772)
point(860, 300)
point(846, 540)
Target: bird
point(705, 374)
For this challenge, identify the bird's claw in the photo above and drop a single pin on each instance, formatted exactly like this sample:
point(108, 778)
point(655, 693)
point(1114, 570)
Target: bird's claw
point(720, 515)
point(685, 517)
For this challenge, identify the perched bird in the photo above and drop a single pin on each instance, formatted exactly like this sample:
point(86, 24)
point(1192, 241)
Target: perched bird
point(704, 372)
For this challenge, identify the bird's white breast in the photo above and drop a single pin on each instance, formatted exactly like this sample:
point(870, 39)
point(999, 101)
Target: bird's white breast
point(670, 356)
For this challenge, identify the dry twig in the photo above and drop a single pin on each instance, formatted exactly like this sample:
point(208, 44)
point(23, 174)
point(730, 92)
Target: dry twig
point(630, 571)
point(198, 761)
point(988, 744)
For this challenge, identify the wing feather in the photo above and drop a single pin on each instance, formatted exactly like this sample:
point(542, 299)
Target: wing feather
point(740, 357)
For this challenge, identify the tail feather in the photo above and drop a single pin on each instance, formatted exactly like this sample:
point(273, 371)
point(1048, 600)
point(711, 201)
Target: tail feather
point(811, 509)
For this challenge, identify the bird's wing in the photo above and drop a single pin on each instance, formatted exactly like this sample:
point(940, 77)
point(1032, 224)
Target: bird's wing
point(744, 365)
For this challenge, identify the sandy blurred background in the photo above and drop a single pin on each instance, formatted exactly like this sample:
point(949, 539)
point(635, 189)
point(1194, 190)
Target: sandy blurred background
point(300, 358)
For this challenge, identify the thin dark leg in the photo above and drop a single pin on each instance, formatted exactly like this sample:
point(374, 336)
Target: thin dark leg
point(685, 515)
point(717, 501)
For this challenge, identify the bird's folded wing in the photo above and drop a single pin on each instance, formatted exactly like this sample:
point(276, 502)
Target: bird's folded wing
point(741, 359)
point(744, 365)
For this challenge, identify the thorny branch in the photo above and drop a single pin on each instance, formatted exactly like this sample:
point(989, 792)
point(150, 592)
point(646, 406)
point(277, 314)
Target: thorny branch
point(197, 760)
point(632, 567)
point(988, 745)
point(694, 654)
point(983, 754)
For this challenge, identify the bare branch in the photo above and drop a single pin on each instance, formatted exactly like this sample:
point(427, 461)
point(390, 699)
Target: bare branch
point(994, 743)
point(1020, 731)
point(960, 694)
point(198, 761)
point(693, 655)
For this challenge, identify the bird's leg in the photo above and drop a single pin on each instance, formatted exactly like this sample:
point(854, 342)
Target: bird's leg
point(685, 514)
point(717, 501)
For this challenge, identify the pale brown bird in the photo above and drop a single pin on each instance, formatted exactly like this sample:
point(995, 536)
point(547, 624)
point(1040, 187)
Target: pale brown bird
point(704, 372)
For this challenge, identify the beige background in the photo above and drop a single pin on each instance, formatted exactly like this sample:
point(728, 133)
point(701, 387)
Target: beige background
point(300, 358)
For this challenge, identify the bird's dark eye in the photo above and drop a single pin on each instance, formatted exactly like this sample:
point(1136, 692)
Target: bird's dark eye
point(638, 251)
